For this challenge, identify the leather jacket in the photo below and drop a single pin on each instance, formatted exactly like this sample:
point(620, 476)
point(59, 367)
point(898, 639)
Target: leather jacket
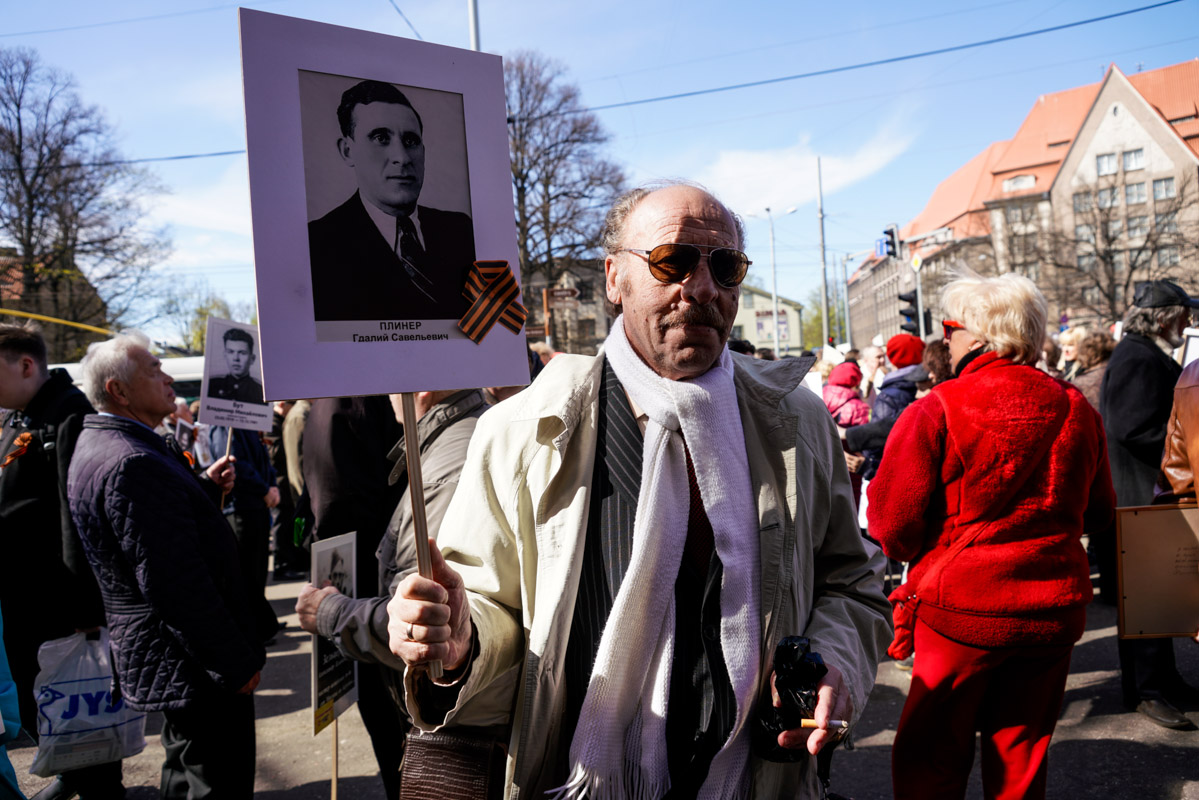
point(1177, 478)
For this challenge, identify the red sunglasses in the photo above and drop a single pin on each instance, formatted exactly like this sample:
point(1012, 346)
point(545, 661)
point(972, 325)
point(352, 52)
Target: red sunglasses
point(949, 326)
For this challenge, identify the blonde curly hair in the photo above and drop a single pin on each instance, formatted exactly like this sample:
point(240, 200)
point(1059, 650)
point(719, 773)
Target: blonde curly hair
point(1007, 313)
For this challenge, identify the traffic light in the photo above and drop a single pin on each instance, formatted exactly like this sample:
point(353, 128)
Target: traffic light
point(891, 242)
point(928, 322)
point(908, 312)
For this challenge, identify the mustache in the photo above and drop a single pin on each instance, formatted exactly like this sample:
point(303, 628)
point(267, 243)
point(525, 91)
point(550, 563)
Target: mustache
point(694, 315)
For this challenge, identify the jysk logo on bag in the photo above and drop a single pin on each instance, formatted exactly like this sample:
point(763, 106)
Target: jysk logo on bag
point(54, 705)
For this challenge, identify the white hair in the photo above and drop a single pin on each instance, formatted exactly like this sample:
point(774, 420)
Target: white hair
point(110, 360)
point(1007, 313)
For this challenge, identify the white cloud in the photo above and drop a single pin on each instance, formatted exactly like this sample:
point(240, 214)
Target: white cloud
point(750, 180)
point(222, 204)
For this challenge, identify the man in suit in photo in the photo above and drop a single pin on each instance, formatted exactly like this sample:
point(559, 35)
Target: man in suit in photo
point(380, 255)
point(237, 384)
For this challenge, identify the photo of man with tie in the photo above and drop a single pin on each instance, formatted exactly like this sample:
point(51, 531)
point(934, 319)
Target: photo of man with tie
point(381, 255)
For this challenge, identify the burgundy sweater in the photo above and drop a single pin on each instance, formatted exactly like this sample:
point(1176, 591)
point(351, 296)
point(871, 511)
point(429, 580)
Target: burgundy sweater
point(965, 459)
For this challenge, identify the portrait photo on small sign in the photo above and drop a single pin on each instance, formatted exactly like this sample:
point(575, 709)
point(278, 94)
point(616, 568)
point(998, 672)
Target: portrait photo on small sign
point(231, 392)
point(385, 254)
point(334, 677)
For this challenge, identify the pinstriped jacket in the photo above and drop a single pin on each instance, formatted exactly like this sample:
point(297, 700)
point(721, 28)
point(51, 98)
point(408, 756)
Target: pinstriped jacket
point(515, 526)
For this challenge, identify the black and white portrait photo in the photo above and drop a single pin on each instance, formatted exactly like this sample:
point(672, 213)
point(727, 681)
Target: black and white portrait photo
point(390, 236)
point(237, 348)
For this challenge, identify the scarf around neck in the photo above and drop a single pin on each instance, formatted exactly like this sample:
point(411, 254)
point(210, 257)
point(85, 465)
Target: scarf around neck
point(619, 745)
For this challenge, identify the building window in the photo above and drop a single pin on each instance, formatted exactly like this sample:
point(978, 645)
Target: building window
point(1163, 189)
point(1020, 212)
point(1114, 228)
point(747, 300)
point(1082, 202)
point(1084, 233)
point(1166, 223)
point(1032, 272)
point(1108, 198)
point(1138, 226)
point(1134, 159)
point(586, 291)
point(1105, 164)
point(586, 329)
point(1018, 182)
point(736, 334)
point(1167, 257)
point(1092, 296)
point(1086, 262)
point(1118, 261)
point(1134, 193)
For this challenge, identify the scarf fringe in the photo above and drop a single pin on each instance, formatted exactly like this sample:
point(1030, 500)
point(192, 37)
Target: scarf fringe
point(635, 783)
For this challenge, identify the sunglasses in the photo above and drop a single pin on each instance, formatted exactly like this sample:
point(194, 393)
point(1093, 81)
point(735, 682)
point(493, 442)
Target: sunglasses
point(949, 326)
point(673, 263)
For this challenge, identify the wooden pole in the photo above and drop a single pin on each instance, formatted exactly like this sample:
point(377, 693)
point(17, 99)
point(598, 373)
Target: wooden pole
point(228, 449)
point(333, 792)
point(416, 494)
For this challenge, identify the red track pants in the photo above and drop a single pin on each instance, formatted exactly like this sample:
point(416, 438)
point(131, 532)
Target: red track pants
point(1011, 695)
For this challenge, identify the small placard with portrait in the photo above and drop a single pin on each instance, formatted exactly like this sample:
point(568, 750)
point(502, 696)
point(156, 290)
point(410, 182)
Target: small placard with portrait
point(231, 393)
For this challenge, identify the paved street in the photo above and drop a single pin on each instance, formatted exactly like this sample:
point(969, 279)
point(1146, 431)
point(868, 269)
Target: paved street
point(1098, 751)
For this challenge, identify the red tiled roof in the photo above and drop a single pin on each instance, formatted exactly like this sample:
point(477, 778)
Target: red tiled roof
point(1174, 92)
point(957, 202)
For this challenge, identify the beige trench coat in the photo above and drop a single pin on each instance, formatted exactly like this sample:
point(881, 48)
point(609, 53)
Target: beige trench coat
point(515, 527)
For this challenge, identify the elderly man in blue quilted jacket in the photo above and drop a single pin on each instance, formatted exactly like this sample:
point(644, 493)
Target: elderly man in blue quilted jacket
point(184, 640)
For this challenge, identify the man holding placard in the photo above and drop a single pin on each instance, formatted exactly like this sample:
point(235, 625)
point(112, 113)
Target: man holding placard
point(183, 636)
point(634, 534)
point(380, 255)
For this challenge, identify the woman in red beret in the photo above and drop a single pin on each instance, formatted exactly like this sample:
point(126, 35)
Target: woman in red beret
point(987, 486)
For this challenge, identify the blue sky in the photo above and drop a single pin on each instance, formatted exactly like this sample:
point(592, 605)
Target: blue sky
point(886, 135)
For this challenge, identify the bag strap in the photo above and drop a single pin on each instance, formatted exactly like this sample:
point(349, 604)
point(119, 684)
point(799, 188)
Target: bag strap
point(1013, 486)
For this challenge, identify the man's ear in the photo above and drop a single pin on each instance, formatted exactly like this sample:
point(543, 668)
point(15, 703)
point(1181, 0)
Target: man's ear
point(611, 281)
point(343, 150)
point(29, 367)
point(116, 391)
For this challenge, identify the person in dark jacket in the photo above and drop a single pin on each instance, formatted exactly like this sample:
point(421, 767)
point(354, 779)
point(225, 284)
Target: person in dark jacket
point(896, 392)
point(183, 634)
point(358, 626)
point(1135, 402)
point(248, 512)
point(53, 592)
point(346, 442)
point(987, 486)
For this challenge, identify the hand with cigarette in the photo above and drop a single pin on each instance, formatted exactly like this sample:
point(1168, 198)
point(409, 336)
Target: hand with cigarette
point(429, 619)
point(834, 707)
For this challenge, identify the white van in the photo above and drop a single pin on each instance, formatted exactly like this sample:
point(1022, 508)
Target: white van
point(188, 372)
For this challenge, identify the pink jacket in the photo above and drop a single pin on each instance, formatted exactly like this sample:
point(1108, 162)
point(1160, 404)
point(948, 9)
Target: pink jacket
point(841, 396)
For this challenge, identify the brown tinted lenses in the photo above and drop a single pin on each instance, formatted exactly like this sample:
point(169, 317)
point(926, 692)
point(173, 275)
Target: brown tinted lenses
point(672, 263)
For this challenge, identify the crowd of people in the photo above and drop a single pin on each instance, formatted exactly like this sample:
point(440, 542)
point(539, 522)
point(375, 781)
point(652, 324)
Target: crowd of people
point(622, 552)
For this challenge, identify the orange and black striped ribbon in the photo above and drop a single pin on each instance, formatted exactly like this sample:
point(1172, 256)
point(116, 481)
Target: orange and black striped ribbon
point(494, 296)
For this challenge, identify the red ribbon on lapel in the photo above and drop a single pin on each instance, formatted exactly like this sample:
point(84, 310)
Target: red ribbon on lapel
point(494, 296)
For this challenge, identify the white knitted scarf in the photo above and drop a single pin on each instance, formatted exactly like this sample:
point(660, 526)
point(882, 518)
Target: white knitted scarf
point(619, 746)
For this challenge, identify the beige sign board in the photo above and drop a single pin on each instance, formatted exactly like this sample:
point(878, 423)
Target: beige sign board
point(1158, 549)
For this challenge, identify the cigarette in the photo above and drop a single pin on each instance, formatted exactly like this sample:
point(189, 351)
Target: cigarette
point(832, 723)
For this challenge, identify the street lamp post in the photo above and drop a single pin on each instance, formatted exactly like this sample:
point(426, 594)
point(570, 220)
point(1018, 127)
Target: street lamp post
point(774, 277)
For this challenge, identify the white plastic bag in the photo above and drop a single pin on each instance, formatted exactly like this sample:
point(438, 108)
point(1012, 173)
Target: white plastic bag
point(78, 722)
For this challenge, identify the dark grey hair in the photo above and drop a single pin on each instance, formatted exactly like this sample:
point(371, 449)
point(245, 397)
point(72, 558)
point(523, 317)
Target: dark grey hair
point(612, 236)
point(1151, 321)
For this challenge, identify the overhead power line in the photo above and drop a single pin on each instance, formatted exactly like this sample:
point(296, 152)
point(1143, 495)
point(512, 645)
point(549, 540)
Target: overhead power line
point(406, 20)
point(862, 65)
point(149, 18)
point(733, 87)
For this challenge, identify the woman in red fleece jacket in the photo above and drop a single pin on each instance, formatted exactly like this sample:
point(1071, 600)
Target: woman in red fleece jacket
point(987, 486)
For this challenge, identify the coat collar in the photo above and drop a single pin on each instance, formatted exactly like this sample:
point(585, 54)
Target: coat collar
point(468, 402)
point(129, 427)
point(569, 385)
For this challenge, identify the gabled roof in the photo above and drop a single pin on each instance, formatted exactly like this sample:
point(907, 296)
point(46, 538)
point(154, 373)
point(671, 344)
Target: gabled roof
point(1041, 145)
point(1174, 92)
